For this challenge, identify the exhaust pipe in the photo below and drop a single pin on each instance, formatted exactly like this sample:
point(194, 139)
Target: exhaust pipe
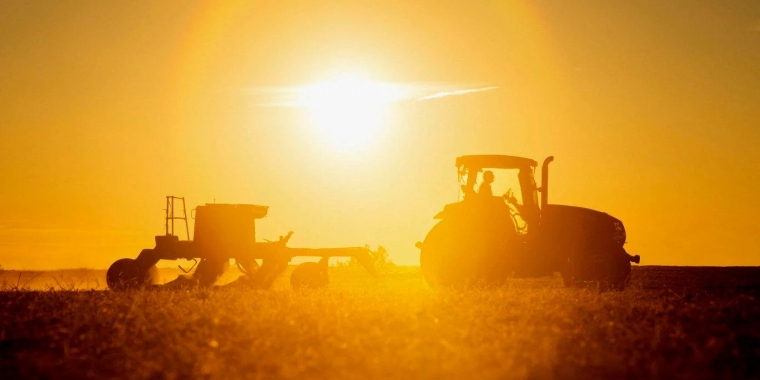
point(545, 181)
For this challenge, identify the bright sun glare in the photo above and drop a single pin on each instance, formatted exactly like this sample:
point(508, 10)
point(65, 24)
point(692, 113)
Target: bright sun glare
point(350, 110)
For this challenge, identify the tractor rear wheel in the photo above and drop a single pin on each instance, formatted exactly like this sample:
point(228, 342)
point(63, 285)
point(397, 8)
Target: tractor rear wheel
point(446, 257)
point(309, 276)
point(461, 253)
point(126, 274)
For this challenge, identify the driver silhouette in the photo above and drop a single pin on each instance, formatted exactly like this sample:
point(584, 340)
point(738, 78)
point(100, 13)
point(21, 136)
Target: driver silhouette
point(485, 187)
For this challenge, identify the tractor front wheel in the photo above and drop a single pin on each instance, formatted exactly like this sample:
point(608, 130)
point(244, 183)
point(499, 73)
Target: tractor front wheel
point(568, 273)
point(126, 274)
point(621, 272)
point(309, 275)
point(617, 272)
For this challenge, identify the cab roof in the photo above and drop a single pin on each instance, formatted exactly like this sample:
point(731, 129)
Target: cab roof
point(494, 161)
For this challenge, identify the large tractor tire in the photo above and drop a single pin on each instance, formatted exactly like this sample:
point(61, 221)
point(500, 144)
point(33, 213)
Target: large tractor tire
point(445, 258)
point(457, 254)
point(618, 273)
point(126, 274)
point(568, 273)
point(309, 276)
point(609, 268)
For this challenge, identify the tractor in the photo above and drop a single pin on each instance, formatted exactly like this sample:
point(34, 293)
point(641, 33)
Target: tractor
point(223, 232)
point(485, 239)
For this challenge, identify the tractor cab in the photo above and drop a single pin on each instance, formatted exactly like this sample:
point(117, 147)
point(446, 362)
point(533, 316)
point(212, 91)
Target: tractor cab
point(471, 169)
point(510, 192)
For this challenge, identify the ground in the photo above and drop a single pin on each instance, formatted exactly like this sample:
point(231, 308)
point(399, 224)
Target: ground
point(672, 322)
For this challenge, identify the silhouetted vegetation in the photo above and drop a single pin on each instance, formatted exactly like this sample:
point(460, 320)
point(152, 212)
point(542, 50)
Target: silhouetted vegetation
point(379, 258)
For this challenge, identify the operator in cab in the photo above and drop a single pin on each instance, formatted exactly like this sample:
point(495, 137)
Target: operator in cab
point(485, 186)
point(486, 192)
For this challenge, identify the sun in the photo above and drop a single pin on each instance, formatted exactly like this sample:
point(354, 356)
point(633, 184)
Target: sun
point(350, 110)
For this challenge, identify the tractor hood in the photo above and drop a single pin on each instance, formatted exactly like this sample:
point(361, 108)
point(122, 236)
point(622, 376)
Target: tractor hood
point(558, 219)
point(563, 210)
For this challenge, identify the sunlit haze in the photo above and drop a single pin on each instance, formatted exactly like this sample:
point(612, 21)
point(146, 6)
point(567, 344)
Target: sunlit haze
point(346, 117)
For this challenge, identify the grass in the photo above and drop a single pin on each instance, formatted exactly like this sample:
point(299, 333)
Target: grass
point(671, 322)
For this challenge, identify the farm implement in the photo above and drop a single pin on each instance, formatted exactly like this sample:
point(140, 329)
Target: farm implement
point(223, 232)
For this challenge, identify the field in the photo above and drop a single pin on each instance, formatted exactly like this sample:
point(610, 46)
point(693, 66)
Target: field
point(673, 322)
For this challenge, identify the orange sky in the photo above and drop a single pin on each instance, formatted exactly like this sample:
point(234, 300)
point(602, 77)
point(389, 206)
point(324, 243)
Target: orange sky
point(650, 107)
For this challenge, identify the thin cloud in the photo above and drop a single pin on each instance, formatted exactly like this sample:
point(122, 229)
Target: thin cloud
point(288, 97)
point(457, 92)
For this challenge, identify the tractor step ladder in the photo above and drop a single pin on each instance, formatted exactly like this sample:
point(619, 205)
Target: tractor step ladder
point(171, 216)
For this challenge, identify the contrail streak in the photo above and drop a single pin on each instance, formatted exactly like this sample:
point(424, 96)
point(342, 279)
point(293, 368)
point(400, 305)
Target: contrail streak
point(457, 92)
point(288, 96)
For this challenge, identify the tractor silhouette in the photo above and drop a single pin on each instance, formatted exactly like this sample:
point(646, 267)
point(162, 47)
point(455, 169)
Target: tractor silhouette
point(485, 239)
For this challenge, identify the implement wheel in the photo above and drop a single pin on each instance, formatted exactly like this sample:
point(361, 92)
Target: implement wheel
point(309, 275)
point(125, 274)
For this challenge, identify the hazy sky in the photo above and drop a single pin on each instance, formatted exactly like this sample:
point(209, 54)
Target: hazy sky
point(650, 108)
